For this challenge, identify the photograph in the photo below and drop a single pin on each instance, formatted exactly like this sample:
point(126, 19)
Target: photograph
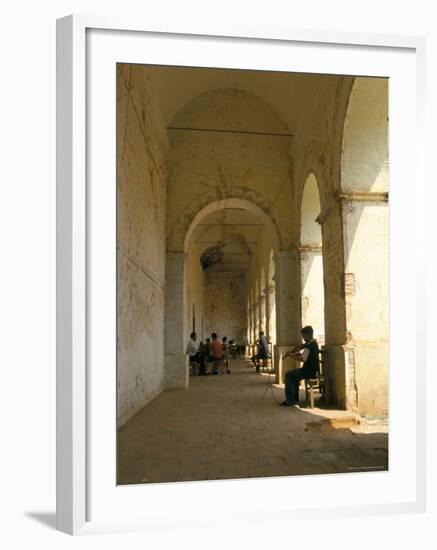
point(252, 257)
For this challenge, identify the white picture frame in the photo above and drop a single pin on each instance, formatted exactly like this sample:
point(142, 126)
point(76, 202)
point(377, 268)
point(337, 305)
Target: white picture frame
point(74, 208)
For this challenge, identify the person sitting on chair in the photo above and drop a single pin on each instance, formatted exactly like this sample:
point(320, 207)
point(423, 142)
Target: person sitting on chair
point(193, 351)
point(263, 351)
point(217, 355)
point(225, 349)
point(308, 354)
point(208, 355)
point(202, 359)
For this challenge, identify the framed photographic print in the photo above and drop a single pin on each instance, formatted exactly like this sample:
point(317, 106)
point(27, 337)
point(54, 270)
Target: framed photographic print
point(234, 207)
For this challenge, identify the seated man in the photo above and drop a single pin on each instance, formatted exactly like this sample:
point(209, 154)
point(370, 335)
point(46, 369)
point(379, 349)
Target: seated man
point(225, 350)
point(217, 355)
point(263, 351)
point(202, 356)
point(193, 351)
point(308, 354)
point(208, 355)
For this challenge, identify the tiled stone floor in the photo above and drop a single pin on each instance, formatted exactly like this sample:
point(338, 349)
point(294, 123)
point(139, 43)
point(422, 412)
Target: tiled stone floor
point(222, 427)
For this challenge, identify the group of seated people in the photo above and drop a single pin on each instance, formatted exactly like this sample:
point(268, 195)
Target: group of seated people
point(211, 356)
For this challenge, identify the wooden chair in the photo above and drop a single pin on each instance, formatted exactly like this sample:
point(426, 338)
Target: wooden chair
point(267, 364)
point(317, 384)
point(194, 368)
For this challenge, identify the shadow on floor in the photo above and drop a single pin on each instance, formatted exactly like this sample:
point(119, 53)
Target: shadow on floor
point(227, 427)
point(45, 518)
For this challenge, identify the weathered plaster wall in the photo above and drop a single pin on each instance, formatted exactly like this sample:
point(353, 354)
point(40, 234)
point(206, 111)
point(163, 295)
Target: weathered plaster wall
point(141, 198)
point(225, 311)
point(365, 144)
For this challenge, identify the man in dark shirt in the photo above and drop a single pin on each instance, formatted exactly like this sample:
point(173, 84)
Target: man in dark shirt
point(263, 351)
point(308, 354)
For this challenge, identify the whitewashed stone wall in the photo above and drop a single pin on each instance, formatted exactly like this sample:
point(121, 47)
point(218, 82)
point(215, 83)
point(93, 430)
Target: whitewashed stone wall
point(141, 199)
point(225, 309)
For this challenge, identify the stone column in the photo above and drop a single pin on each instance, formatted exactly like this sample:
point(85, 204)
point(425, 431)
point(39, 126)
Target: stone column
point(335, 323)
point(252, 327)
point(272, 313)
point(268, 309)
point(268, 293)
point(257, 321)
point(262, 313)
point(250, 331)
point(176, 361)
point(366, 279)
point(355, 258)
point(288, 312)
point(249, 324)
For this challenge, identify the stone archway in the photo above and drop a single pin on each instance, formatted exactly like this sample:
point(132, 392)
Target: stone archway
point(287, 283)
point(311, 259)
point(186, 227)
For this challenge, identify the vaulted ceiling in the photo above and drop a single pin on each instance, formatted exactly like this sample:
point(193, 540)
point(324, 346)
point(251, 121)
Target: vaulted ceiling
point(291, 95)
point(227, 239)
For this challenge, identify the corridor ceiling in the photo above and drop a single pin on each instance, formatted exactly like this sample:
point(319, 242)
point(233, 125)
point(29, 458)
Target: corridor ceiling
point(291, 95)
point(227, 239)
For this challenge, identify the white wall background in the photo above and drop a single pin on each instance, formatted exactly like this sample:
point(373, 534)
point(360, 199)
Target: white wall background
point(27, 277)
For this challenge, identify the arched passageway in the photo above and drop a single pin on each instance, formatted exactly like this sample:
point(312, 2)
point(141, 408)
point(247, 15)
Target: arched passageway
point(248, 203)
point(222, 277)
point(311, 261)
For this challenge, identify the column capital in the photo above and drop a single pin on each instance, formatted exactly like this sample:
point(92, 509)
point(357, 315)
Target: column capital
point(362, 196)
point(292, 253)
point(305, 248)
point(340, 198)
point(176, 255)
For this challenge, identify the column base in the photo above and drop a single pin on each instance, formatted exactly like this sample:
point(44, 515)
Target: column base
point(370, 365)
point(336, 376)
point(176, 371)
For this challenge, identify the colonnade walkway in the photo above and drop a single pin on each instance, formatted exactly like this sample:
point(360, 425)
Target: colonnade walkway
point(222, 428)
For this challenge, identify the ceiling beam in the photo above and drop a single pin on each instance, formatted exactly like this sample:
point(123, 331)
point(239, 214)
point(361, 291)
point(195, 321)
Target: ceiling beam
point(251, 132)
point(227, 242)
point(230, 223)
